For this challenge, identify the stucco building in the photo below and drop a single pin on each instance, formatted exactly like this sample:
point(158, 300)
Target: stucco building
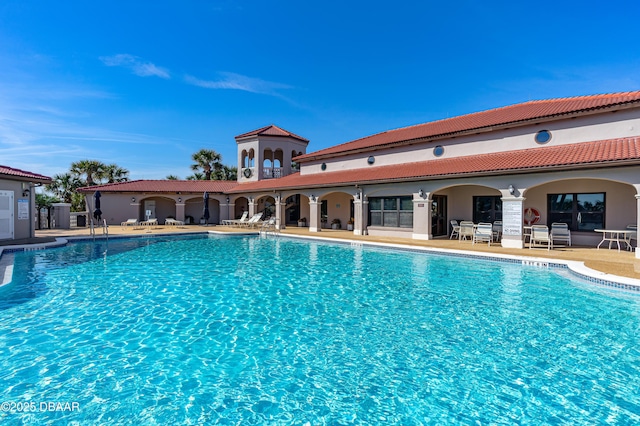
point(17, 202)
point(573, 160)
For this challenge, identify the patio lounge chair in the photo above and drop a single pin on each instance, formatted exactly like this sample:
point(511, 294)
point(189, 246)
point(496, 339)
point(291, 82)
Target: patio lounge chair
point(455, 229)
point(236, 222)
point(560, 232)
point(129, 222)
point(540, 236)
point(253, 222)
point(172, 222)
point(483, 233)
point(269, 225)
point(150, 222)
point(466, 230)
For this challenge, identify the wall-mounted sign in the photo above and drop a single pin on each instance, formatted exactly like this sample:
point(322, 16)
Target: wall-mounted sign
point(511, 217)
point(23, 209)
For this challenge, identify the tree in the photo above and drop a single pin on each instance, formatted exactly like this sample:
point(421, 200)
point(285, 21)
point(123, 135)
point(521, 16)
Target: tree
point(172, 177)
point(225, 173)
point(45, 200)
point(93, 171)
point(64, 186)
point(196, 176)
point(207, 161)
point(114, 173)
point(84, 173)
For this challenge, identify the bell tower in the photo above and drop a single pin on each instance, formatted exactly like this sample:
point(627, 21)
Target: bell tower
point(267, 153)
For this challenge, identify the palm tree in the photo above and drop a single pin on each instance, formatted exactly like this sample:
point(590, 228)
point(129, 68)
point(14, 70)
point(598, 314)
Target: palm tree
point(64, 186)
point(93, 170)
point(196, 176)
point(172, 177)
point(114, 173)
point(206, 160)
point(225, 173)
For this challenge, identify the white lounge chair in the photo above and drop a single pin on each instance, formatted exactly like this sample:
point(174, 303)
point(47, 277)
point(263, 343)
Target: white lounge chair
point(253, 222)
point(455, 229)
point(150, 222)
point(483, 233)
point(466, 230)
point(560, 232)
point(269, 225)
point(173, 222)
point(540, 237)
point(129, 222)
point(236, 222)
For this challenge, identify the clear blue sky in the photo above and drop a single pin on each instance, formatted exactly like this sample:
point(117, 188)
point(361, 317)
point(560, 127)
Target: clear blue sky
point(145, 84)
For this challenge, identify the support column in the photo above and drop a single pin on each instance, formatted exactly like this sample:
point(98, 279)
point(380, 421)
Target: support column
point(422, 216)
point(357, 214)
point(280, 214)
point(314, 214)
point(252, 206)
point(512, 220)
point(180, 211)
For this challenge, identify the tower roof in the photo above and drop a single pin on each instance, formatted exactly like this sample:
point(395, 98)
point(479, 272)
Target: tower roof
point(271, 130)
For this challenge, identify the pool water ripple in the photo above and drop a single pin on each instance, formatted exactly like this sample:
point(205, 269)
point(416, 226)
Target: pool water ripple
point(243, 330)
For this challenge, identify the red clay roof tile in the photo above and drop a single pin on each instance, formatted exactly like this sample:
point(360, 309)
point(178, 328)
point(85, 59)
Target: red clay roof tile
point(271, 131)
point(601, 153)
point(10, 171)
point(212, 186)
point(509, 115)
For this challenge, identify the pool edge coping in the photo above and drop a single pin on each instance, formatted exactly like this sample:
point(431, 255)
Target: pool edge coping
point(575, 267)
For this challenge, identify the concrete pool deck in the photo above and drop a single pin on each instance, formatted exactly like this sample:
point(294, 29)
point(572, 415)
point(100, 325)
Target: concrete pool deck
point(622, 263)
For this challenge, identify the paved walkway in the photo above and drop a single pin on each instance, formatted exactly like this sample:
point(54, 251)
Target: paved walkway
point(621, 263)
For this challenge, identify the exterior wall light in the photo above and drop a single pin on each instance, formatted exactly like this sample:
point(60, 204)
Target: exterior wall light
point(511, 189)
point(421, 193)
point(179, 199)
point(133, 199)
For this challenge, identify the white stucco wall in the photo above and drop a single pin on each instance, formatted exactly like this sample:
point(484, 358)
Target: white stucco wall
point(609, 125)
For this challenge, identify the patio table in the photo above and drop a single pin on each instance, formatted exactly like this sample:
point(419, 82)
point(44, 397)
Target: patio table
point(614, 236)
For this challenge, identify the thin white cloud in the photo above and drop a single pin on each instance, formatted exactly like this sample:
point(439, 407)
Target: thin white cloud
point(235, 81)
point(137, 65)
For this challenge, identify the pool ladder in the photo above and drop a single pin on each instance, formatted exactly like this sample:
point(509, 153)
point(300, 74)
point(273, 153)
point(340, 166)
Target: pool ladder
point(270, 227)
point(105, 229)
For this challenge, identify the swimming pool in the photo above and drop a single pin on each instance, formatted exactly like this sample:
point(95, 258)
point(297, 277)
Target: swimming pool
point(246, 330)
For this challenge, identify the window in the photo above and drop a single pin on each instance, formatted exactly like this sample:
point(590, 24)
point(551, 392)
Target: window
point(438, 151)
point(324, 212)
point(542, 137)
point(395, 212)
point(487, 208)
point(582, 212)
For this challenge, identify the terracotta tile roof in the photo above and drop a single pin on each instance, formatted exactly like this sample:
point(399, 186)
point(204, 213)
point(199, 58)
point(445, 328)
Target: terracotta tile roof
point(271, 131)
point(174, 186)
point(601, 154)
point(24, 175)
point(505, 116)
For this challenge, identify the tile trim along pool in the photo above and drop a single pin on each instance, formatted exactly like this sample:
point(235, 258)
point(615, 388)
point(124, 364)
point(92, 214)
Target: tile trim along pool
point(575, 267)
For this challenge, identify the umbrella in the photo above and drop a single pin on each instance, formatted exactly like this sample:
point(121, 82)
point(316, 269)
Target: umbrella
point(206, 207)
point(97, 213)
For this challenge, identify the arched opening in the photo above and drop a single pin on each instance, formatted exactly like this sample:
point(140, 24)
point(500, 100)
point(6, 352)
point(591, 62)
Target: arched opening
point(266, 206)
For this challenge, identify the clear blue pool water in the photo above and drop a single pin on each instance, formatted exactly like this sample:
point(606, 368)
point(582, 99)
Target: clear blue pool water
point(244, 330)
